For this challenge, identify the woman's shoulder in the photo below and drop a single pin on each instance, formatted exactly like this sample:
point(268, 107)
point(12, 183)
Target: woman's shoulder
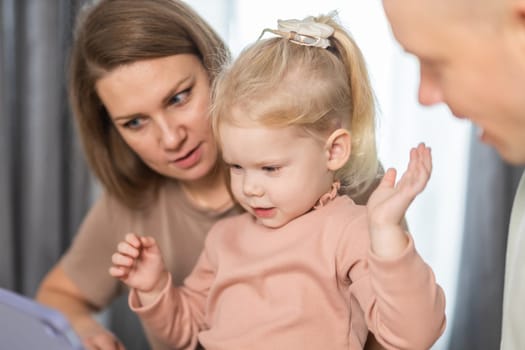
point(110, 211)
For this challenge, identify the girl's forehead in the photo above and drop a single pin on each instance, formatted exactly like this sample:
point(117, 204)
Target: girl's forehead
point(259, 132)
point(262, 142)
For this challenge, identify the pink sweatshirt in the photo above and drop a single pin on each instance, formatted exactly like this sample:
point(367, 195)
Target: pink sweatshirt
point(312, 284)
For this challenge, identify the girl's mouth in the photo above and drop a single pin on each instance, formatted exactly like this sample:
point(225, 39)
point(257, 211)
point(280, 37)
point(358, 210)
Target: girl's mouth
point(264, 212)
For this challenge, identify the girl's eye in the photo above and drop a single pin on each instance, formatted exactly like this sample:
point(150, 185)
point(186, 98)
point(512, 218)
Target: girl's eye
point(180, 98)
point(134, 123)
point(235, 168)
point(271, 169)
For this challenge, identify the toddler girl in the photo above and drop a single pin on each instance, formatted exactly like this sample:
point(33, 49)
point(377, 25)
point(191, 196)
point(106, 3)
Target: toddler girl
point(304, 267)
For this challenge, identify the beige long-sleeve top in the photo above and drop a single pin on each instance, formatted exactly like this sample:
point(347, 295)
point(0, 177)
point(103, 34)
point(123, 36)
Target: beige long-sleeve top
point(312, 284)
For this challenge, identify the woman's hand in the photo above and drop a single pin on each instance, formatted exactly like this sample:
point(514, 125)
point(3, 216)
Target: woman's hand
point(388, 204)
point(138, 263)
point(96, 337)
point(58, 291)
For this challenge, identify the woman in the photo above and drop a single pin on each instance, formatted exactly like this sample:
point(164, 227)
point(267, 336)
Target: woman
point(140, 88)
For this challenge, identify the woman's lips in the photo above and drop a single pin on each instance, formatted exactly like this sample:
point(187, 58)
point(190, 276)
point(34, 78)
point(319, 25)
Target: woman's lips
point(190, 159)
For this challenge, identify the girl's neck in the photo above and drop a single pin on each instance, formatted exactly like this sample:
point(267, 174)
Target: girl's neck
point(210, 192)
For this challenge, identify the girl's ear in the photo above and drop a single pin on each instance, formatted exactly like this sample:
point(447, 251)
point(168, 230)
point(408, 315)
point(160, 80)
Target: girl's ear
point(338, 148)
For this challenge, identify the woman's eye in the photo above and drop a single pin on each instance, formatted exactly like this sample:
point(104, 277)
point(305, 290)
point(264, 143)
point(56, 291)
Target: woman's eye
point(134, 123)
point(180, 98)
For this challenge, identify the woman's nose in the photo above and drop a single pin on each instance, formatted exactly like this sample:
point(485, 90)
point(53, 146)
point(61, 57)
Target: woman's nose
point(171, 135)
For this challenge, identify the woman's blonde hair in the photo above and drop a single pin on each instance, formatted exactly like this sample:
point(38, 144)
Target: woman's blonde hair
point(113, 33)
point(277, 83)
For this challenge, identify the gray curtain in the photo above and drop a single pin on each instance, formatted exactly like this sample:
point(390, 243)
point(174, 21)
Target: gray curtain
point(490, 192)
point(44, 183)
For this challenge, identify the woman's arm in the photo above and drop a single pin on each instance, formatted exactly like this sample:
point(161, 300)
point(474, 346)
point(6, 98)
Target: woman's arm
point(58, 291)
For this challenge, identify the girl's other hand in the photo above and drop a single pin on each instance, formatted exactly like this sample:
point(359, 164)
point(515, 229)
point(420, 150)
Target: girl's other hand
point(388, 204)
point(138, 263)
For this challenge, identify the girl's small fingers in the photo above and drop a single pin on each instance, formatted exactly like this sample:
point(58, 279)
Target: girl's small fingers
point(122, 260)
point(133, 239)
point(413, 162)
point(427, 160)
point(424, 152)
point(117, 272)
point(147, 241)
point(389, 179)
point(425, 157)
point(127, 249)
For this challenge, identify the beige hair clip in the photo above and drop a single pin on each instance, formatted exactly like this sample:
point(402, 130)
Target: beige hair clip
point(305, 32)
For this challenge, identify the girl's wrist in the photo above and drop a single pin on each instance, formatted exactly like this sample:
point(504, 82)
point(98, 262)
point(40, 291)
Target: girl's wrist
point(161, 282)
point(388, 242)
point(147, 297)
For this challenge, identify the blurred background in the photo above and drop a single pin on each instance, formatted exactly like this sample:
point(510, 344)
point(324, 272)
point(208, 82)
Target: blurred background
point(459, 223)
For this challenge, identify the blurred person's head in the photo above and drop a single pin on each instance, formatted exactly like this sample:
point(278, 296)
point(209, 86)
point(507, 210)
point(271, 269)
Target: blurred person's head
point(472, 57)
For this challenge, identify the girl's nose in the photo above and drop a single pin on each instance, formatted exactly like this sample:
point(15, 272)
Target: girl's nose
point(251, 187)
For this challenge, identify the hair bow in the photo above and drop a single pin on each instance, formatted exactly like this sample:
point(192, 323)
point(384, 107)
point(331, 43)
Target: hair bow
point(305, 32)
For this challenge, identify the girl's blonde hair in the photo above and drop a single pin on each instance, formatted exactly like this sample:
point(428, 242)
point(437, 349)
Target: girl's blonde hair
point(113, 33)
point(277, 83)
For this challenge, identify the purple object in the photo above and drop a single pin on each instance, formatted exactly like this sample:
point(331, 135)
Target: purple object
point(26, 324)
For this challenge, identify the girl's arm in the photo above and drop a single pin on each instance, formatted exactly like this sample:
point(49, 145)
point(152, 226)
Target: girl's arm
point(173, 314)
point(408, 306)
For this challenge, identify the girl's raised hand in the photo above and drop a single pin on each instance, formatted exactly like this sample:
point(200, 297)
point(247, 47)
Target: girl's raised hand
point(138, 263)
point(388, 204)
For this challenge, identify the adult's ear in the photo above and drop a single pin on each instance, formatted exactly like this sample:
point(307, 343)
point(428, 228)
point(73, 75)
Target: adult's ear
point(519, 7)
point(517, 18)
point(515, 21)
point(338, 148)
